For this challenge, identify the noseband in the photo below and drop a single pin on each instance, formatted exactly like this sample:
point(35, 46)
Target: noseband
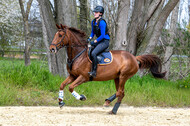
point(59, 43)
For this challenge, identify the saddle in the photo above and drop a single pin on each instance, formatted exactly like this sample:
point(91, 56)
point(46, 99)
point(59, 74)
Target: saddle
point(104, 57)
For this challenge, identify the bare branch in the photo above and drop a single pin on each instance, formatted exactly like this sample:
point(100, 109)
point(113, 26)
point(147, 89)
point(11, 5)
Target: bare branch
point(22, 9)
point(28, 8)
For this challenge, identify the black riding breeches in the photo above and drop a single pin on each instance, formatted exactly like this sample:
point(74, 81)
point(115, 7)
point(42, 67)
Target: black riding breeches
point(104, 44)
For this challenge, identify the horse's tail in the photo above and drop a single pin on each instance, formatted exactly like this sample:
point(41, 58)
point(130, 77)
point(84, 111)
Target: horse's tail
point(152, 62)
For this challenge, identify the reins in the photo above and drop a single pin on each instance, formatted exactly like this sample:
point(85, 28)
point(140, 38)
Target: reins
point(70, 61)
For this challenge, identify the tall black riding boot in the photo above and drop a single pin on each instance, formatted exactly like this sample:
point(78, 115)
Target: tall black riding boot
point(94, 67)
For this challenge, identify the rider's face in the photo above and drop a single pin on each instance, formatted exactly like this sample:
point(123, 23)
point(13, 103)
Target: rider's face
point(96, 14)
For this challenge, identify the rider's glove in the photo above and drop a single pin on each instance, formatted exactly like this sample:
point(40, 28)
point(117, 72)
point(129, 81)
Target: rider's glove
point(92, 43)
point(88, 40)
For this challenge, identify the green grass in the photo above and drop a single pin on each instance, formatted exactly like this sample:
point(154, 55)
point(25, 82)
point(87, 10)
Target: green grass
point(35, 85)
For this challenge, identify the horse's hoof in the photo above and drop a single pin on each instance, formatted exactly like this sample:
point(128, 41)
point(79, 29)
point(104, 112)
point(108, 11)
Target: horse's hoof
point(111, 113)
point(61, 104)
point(107, 103)
point(82, 97)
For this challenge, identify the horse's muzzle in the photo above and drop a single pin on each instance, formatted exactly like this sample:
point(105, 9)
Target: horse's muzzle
point(53, 50)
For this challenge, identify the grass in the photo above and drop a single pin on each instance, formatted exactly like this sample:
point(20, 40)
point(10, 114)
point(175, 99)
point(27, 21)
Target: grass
point(35, 85)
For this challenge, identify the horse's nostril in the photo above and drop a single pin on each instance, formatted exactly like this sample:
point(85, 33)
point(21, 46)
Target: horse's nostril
point(52, 50)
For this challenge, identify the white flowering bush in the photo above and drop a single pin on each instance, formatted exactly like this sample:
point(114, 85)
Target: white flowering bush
point(10, 24)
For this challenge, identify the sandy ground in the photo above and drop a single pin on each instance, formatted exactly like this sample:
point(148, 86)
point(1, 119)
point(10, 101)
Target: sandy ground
point(93, 116)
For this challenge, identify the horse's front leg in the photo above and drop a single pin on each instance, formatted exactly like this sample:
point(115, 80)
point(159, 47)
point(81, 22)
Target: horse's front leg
point(67, 81)
point(76, 83)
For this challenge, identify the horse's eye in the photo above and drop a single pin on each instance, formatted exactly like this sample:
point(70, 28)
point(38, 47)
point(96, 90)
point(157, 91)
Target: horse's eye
point(60, 35)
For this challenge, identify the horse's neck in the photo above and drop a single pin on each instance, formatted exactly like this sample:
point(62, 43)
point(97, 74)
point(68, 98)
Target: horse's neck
point(72, 51)
point(74, 47)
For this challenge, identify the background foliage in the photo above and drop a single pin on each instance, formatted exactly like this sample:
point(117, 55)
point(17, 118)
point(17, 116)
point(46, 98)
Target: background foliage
point(35, 85)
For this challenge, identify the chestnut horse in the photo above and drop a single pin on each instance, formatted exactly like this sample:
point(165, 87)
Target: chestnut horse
point(123, 66)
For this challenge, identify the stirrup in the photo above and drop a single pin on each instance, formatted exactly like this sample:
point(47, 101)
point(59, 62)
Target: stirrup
point(92, 74)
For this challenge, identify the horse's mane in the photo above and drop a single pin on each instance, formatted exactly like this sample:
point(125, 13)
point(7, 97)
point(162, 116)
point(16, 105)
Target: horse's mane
point(80, 34)
point(77, 31)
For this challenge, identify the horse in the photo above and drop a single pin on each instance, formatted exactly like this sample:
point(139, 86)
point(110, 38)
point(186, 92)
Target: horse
point(123, 66)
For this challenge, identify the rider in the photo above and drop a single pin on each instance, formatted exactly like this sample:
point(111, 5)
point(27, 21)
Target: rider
point(99, 28)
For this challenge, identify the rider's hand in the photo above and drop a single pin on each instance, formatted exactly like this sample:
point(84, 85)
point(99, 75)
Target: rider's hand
point(92, 43)
point(89, 39)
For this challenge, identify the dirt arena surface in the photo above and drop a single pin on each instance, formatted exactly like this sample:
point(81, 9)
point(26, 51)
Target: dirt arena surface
point(93, 116)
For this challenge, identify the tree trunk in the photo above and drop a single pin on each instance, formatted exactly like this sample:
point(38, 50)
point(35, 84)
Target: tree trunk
point(66, 12)
point(110, 15)
point(83, 15)
point(146, 23)
point(169, 48)
point(121, 27)
point(27, 46)
point(142, 12)
point(25, 15)
point(50, 28)
point(45, 40)
point(151, 38)
point(67, 15)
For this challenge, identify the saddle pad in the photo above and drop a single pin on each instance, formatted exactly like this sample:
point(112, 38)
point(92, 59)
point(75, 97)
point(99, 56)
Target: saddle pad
point(106, 58)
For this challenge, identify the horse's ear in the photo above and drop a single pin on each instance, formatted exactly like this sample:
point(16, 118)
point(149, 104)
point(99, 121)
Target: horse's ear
point(58, 27)
point(63, 26)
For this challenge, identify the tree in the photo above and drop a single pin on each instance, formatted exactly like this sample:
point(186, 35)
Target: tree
point(25, 15)
point(110, 15)
point(83, 15)
point(169, 47)
point(121, 26)
point(139, 23)
point(63, 13)
point(155, 25)
point(10, 29)
point(134, 25)
point(49, 29)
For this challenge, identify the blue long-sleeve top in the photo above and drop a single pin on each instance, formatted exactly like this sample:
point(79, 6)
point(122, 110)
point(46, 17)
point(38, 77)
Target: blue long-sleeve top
point(102, 26)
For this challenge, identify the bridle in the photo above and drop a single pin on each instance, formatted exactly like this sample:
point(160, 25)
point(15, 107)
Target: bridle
point(58, 45)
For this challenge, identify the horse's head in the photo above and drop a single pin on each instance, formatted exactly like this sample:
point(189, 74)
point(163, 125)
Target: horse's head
point(60, 39)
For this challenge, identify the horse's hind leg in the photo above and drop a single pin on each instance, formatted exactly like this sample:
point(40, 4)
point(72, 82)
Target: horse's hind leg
point(110, 99)
point(119, 94)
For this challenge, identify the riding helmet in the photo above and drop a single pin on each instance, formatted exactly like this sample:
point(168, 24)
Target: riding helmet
point(99, 9)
